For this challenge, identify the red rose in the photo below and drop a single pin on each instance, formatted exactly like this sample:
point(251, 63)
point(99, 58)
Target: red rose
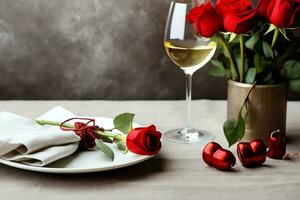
point(144, 141)
point(262, 7)
point(206, 20)
point(240, 22)
point(282, 13)
point(236, 6)
point(238, 15)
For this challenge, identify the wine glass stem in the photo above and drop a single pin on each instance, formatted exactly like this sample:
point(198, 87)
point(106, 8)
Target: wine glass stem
point(188, 100)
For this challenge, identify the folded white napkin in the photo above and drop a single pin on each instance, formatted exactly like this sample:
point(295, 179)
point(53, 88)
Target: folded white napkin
point(24, 140)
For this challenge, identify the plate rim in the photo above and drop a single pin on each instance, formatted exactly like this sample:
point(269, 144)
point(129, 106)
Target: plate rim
point(77, 170)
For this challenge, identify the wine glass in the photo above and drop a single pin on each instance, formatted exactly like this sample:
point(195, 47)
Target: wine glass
point(189, 52)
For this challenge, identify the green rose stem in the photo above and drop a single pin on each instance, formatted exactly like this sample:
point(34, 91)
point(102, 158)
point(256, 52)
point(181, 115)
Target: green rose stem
point(242, 61)
point(227, 48)
point(275, 37)
point(248, 95)
point(104, 133)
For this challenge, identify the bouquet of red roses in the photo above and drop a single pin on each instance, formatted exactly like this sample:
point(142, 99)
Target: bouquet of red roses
point(257, 45)
point(257, 42)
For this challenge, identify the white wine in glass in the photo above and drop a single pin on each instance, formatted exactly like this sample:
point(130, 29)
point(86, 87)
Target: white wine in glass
point(190, 53)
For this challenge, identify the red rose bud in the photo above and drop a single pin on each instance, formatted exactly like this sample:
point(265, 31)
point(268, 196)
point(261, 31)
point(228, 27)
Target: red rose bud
point(252, 154)
point(144, 140)
point(276, 145)
point(206, 20)
point(215, 156)
point(282, 13)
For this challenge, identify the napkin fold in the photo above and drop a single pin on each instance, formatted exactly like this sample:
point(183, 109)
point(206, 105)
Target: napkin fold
point(24, 140)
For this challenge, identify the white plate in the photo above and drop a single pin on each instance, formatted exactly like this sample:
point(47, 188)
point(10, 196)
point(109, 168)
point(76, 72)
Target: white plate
point(87, 161)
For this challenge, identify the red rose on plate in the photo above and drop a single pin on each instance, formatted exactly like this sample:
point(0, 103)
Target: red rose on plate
point(282, 13)
point(238, 15)
point(144, 140)
point(206, 20)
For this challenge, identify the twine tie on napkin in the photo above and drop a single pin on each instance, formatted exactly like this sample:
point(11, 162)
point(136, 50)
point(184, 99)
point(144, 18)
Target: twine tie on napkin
point(86, 132)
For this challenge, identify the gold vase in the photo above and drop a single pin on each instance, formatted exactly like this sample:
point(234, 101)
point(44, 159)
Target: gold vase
point(266, 108)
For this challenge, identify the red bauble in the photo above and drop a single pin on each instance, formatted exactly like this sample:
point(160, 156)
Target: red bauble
point(214, 155)
point(276, 145)
point(252, 154)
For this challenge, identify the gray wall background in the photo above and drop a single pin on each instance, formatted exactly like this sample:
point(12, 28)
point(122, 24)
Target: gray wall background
point(91, 49)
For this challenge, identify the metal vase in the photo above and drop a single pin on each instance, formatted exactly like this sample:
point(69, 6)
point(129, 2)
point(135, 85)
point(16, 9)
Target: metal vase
point(266, 108)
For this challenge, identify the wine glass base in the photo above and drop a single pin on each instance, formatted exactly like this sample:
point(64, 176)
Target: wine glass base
point(188, 136)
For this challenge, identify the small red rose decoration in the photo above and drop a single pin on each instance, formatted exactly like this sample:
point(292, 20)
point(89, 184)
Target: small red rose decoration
point(215, 156)
point(144, 141)
point(252, 154)
point(206, 20)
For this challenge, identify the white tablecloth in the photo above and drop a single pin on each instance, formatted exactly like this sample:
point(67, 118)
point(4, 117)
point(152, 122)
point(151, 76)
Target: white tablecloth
point(178, 173)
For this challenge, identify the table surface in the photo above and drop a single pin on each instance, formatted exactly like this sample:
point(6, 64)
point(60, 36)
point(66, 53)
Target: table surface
point(178, 172)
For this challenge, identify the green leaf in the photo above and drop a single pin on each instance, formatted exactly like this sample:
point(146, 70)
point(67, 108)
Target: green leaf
point(268, 78)
point(292, 28)
point(291, 69)
point(217, 63)
point(250, 76)
point(257, 63)
point(228, 72)
point(123, 122)
point(229, 129)
point(295, 85)
point(225, 33)
point(241, 127)
point(261, 63)
point(234, 130)
point(267, 50)
point(105, 149)
point(217, 71)
point(232, 37)
point(244, 112)
point(238, 60)
point(283, 32)
point(283, 58)
point(251, 42)
point(270, 29)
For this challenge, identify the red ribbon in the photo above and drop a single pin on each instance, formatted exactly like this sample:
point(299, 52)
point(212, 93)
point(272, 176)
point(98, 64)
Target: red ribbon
point(85, 131)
